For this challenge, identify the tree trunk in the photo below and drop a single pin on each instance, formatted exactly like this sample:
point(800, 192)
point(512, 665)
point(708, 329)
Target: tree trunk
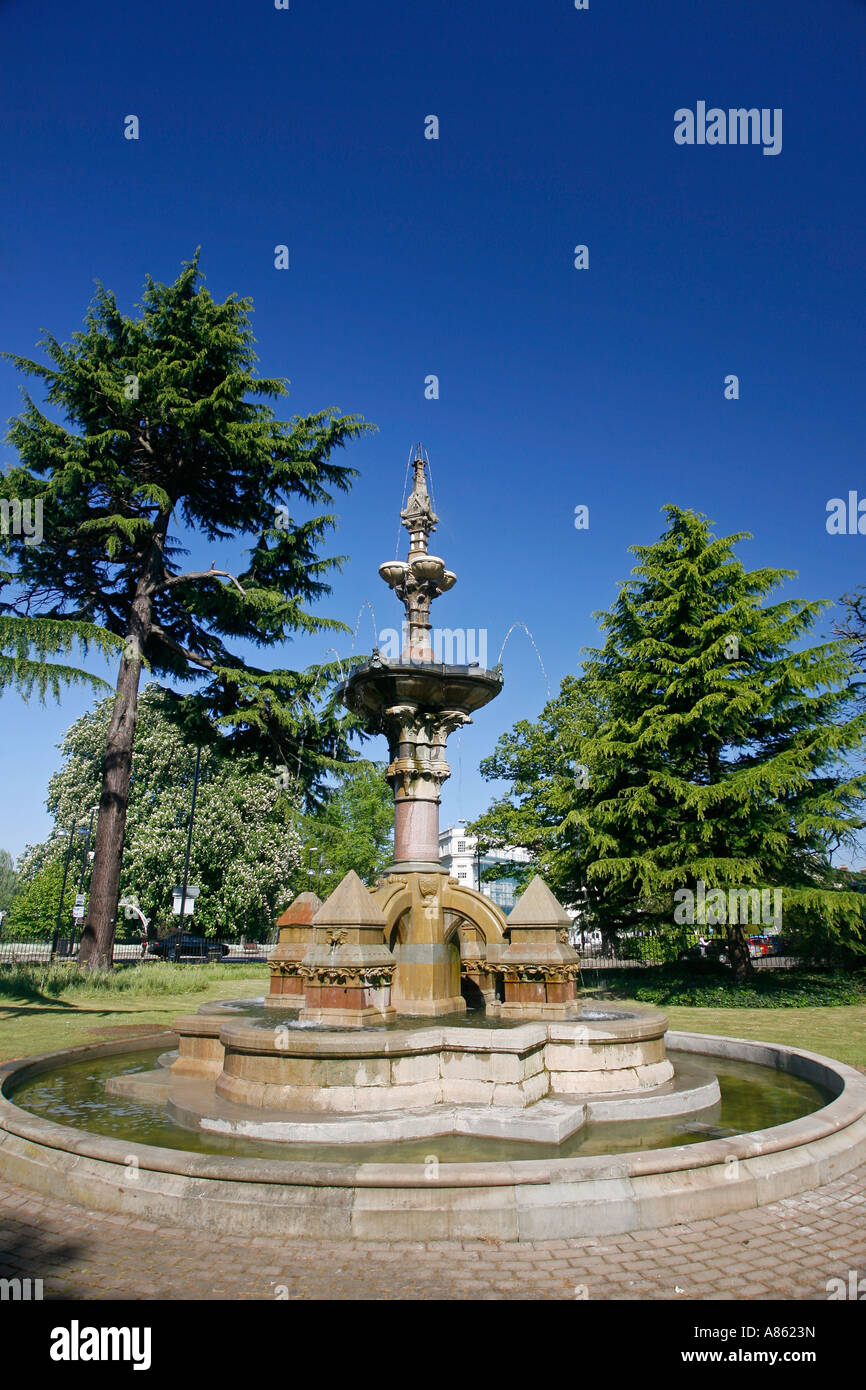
point(738, 951)
point(97, 939)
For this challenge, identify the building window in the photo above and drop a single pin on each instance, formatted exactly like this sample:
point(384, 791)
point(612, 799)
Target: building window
point(461, 873)
point(461, 846)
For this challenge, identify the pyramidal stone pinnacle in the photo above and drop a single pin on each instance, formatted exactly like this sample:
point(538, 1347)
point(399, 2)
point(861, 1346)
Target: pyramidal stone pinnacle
point(350, 905)
point(300, 911)
point(537, 907)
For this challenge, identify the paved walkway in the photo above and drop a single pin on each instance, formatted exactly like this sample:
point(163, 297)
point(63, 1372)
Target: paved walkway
point(787, 1250)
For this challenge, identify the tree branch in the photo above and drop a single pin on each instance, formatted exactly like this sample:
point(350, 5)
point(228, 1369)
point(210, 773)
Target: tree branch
point(195, 575)
point(199, 660)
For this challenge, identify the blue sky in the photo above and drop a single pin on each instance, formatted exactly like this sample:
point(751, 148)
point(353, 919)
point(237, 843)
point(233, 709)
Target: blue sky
point(408, 256)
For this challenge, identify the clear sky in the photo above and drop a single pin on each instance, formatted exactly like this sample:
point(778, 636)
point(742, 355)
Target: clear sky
point(455, 257)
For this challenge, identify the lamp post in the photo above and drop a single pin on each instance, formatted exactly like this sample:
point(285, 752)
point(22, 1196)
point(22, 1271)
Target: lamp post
point(189, 837)
point(54, 938)
point(84, 858)
point(311, 850)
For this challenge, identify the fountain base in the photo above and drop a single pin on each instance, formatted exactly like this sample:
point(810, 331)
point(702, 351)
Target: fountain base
point(490, 1078)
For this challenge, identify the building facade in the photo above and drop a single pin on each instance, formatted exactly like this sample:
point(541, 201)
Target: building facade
point(458, 853)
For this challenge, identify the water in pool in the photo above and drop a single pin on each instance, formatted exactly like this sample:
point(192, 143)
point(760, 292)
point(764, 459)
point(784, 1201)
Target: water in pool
point(753, 1097)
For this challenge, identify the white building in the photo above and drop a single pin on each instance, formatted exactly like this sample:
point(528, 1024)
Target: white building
point(458, 853)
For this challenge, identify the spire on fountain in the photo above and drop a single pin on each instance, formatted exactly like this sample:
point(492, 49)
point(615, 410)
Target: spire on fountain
point(422, 577)
point(418, 515)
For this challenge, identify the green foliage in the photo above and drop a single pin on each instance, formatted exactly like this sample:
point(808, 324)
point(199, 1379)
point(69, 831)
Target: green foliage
point(164, 423)
point(353, 830)
point(8, 879)
point(701, 743)
point(245, 846)
point(26, 642)
point(33, 913)
point(713, 987)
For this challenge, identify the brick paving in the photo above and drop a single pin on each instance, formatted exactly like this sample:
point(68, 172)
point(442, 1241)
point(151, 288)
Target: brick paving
point(786, 1250)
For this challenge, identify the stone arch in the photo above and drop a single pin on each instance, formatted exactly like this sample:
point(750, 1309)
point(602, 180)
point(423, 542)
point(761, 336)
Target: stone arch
point(480, 912)
point(395, 900)
point(466, 904)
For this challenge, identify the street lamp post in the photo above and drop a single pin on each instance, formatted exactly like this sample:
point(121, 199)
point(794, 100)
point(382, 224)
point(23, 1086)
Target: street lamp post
point(84, 855)
point(189, 837)
point(63, 889)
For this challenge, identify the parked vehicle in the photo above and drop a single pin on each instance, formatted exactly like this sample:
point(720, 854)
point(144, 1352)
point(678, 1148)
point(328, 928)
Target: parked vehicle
point(765, 946)
point(185, 946)
point(713, 950)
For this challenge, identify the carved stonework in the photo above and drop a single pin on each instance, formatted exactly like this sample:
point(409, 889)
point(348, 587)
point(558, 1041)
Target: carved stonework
point(471, 968)
point(527, 973)
point(349, 977)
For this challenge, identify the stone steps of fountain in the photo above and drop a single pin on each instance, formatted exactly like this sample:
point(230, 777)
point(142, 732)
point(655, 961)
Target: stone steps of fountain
point(193, 1103)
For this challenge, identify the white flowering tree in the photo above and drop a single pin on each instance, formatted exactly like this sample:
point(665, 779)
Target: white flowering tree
point(246, 847)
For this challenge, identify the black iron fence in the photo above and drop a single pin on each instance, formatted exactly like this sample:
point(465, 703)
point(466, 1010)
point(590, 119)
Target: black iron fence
point(626, 951)
point(689, 947)
point(187, 951)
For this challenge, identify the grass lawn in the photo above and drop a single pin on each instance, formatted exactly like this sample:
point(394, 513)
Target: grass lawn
point(44, 1021)
point(47, 1023)
point(838, 1032)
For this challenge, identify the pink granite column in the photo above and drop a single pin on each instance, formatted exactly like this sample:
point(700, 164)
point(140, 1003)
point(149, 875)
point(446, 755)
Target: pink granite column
point(416, 830)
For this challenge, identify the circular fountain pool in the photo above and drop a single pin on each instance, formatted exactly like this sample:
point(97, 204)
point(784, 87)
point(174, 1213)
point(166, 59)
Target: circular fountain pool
point(783, 1121)
point(752, 1097)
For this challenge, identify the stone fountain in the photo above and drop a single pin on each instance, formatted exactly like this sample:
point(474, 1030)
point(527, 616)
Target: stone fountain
point(408, 947)
point(365, 1039)
point(370, 1036)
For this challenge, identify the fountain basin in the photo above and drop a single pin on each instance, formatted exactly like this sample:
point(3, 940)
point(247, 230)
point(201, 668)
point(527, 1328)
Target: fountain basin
point(519, 1200)
point(193, 1102)
point(286, 1067)
point(432, 685)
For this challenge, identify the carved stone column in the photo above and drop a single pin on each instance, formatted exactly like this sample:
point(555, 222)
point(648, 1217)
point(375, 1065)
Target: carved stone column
point(349, 970)
point(416, 771)
point(294, 941)
point(540, 969)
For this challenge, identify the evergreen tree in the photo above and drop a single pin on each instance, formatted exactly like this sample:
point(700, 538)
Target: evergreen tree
point(162, 426)
point(353, 830)
point(25, 642)
point(714, 750)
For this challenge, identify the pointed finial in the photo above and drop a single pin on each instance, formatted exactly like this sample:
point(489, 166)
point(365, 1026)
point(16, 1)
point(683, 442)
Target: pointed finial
point(418, 515)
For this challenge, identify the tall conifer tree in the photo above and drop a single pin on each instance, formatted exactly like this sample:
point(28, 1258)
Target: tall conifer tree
point(715, 745)
point(164, 426)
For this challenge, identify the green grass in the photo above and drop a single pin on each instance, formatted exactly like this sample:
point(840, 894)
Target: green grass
point(38, 982)
point(838, 1032)
point(43, 1009)
point(712, 986)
